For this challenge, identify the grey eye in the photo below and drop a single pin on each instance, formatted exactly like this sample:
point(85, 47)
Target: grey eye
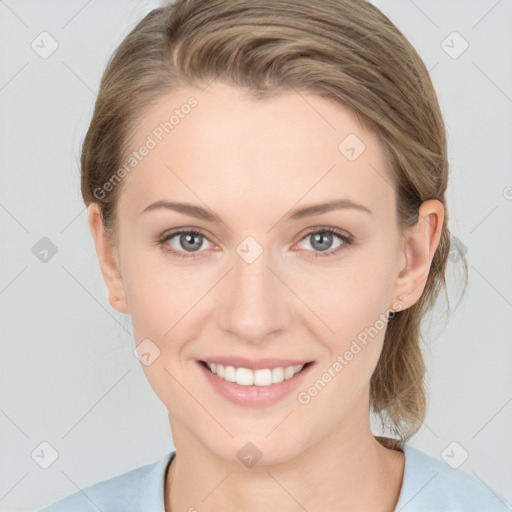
point(191, 241)
point(186, 241)
point(322, 240)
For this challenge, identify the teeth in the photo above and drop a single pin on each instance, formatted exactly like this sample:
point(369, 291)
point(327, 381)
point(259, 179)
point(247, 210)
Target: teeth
point(247, 377)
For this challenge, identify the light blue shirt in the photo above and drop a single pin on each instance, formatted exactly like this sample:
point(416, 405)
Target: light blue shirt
point(429, 485)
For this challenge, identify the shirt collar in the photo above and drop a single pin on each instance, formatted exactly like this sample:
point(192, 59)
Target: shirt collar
point(152, 495)
point(151, 492)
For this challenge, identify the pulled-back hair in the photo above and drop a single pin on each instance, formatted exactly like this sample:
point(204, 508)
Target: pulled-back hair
point(344, 50)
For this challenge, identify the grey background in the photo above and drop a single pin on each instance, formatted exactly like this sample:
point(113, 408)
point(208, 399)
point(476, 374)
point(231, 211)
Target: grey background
point(67, 373)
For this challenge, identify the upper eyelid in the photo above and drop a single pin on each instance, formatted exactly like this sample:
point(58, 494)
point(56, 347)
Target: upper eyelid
point(309, 231)
point(171, 234)
point(337, 231)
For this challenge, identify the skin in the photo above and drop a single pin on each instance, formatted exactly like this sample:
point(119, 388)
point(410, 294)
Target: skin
point(251, 162)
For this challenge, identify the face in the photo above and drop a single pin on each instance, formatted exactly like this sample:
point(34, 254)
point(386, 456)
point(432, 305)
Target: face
point(252, 279)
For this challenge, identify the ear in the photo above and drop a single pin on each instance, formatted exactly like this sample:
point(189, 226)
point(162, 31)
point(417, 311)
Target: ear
point(108, 259)
point(419, 246)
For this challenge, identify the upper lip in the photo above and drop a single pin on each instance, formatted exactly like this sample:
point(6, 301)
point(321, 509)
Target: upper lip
point(254, 364)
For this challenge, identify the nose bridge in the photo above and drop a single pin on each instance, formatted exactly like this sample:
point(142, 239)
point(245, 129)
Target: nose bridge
point(254, 304)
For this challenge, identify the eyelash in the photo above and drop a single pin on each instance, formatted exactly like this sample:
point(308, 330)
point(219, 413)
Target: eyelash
point(347, 240)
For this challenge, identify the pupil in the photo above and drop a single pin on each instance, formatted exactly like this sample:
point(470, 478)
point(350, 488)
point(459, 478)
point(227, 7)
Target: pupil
point(321, 241)
point(322, 238)
point(188, 238)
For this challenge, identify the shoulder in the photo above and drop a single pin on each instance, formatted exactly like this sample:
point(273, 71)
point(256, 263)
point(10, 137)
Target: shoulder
point(138, 489)
point(431, 484)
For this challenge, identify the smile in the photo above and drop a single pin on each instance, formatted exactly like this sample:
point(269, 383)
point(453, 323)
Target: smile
point(253, 388)
point(248, 377)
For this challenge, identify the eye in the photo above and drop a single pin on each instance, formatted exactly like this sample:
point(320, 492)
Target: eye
point(321, 240)
point(186, 243)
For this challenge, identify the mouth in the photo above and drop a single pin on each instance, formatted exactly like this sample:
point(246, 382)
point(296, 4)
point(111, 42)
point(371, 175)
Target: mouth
point(255, 377)
point(260, 387)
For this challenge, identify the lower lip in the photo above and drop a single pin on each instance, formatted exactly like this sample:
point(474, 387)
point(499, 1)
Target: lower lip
point(255, 396)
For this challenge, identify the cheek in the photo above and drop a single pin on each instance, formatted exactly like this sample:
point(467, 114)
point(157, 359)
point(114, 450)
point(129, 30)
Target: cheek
point(351, 304)
point(350, 297)
point(159, 292)
point(149, 300)
point(345, 299)
point(160, 298)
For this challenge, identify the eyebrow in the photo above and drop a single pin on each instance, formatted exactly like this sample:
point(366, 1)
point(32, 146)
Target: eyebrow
point(300, 213)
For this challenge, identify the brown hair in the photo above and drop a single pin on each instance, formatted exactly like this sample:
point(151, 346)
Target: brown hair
point(344, 50)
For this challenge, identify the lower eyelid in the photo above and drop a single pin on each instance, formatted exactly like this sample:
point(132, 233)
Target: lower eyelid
point(164, 241)
point(344, 238)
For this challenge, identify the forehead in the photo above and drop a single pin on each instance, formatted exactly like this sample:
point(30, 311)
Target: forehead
point(221, 143)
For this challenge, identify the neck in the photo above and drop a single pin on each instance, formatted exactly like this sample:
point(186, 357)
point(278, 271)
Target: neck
point(348, 470)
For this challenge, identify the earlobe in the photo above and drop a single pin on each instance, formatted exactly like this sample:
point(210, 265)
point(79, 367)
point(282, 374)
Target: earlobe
point(108, 259)
point(419, 246)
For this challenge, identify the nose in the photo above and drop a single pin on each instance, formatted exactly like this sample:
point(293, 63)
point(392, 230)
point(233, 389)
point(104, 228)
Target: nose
point(255, 304)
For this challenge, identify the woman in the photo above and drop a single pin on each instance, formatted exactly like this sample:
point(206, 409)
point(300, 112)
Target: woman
point(265, 183)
